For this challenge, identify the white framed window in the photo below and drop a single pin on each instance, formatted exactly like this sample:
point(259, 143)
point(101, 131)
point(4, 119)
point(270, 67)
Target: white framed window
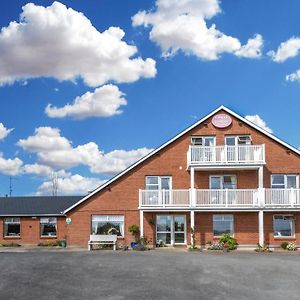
point(158, 183)
point(222, 182)
point(203, 141)
point(235, 140)
point(48, 227)
point(108, 224)
point(12, 227)
point(283, 226)
point(284, 181)
point(222, 224)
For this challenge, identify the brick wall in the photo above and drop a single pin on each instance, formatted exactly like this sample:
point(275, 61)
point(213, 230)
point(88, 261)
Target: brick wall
point(121, 197)
point(30, 231)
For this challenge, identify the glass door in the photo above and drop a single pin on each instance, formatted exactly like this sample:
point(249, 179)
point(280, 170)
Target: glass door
point(163, 229)
point(179, 230)
point(170, 229)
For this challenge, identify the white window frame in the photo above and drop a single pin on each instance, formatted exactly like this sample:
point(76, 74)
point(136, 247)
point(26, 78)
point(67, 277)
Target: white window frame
point(110, 218)
point(11, 220)
point(237, 137)
point(222, 216)
point(222, 179)
point(49, 221)
point(203, 137)
point(285, 180)
point(159, 182)
point(172, 231)
point(292, 229)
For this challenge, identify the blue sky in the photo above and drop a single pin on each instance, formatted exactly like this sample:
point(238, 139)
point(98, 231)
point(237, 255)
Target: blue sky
point(166, 93)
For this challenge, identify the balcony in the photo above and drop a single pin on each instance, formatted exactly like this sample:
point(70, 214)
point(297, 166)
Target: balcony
point(226, 155)
point(220, 199)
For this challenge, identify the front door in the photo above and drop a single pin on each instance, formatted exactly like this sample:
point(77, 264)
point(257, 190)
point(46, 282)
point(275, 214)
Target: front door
point(171, 229)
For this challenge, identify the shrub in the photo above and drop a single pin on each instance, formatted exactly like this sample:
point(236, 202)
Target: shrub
point(284, 245)
point(291, 246)
point(10, 245)
point(229, 241)
point(49, 244)
point(135, 230)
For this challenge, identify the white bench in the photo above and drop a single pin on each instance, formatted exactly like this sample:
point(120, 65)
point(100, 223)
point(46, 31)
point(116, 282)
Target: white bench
point(102, 239)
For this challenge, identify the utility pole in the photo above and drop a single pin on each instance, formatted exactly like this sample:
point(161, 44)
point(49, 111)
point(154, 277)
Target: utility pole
point(54, 179)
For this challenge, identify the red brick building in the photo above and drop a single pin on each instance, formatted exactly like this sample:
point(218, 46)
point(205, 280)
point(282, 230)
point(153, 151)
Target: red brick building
point(223, 174)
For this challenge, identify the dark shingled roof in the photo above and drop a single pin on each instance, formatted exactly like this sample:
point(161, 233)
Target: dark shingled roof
point(36, 206)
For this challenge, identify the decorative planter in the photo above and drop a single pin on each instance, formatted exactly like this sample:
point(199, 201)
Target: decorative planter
point(133, 244)
point(63, 243)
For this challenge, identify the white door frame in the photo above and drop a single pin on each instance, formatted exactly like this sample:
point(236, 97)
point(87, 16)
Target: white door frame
point(172, 232)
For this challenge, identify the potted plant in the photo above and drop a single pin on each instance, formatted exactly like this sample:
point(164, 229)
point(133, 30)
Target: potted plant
point(226, 247)
point(231, 242)
point(135, 231)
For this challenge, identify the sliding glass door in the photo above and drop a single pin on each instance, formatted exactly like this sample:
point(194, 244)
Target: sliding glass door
point(171, 229)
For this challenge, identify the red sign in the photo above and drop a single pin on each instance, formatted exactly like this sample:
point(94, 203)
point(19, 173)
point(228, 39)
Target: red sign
point(221, 120)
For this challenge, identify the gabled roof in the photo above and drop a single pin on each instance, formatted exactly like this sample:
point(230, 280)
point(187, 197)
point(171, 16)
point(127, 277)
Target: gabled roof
point(36, 206)
point(263, 131)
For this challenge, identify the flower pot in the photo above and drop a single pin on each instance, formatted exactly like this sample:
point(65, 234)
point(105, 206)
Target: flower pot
point(63, 244)
point(133, 244)
point(225, 250)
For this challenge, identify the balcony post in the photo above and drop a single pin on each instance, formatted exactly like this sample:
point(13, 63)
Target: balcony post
point(192, 224)
point(292, 197)
point(140, 197)
point(226, 198)
point(192, 177)
point(141, 223)
point(261, 227)
point(261, 177)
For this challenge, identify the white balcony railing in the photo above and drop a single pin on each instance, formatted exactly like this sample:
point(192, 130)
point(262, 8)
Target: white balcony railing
point(220, 199)
point(282, 198)
point(232, 155)
point(227, 198)
point(163, 198)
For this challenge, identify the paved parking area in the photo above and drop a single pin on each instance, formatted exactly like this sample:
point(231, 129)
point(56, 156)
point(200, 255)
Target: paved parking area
point(163, 274)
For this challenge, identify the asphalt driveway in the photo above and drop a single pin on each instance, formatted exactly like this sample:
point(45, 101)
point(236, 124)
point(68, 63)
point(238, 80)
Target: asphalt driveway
point(148, 275)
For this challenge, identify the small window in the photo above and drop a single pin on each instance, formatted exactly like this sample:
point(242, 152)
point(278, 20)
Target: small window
point(48, 227)
point(108, 224)
point(12, 227)
point(197, 141)
point(158, 183)
point(284, 181)
point(222, 224)
point(283, 226)
point(244, 140)
point(203, 141)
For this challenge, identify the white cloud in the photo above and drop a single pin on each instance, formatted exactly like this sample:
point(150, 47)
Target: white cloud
point(70, 185)
point(293, 76)
point(45, 139)
point(257, 120)
point(37, 169)
point(59, 42)
point(287, 49)
point(4, 132)
point(57, 152)
point(181, 25)
point(10, 166)
point(252, 49)
point(105, 101)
